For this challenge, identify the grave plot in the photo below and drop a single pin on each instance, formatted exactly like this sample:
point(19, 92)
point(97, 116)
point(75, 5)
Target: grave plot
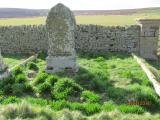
point(109, 82)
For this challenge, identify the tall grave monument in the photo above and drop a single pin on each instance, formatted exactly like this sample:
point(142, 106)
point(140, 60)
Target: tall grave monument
point(61, 26)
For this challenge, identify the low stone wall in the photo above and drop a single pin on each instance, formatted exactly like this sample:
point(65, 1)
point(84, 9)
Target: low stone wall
point(99, 38)
point(92, 38)
point(23, 39)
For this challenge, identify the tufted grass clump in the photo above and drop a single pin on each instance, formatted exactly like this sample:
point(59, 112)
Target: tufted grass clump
point(52, 79)
point(40, 78)
point(20, 78)
point(90, 97)
point(91, 108)
point(100, 59)
point(58, 105)
point(32, 66)
point(86, 108)
point(21, 111)
point(6, 84)
point(109, 106)
point(10, 100)
point(65, 88)
point(131, 109)
point(43, 88)
point(38, 101)
point(18, 70)
point(45, 83)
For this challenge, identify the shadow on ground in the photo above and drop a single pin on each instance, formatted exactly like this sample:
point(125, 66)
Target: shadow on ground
point(104, 86)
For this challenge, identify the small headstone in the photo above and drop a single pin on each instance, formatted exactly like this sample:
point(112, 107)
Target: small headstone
point(61, 26)
point(3, 68)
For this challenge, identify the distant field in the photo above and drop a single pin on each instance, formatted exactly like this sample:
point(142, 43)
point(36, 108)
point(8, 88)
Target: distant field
point(110, 20)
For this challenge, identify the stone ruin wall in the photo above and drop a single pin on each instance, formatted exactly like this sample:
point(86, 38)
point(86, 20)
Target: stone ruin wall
point(89, 38)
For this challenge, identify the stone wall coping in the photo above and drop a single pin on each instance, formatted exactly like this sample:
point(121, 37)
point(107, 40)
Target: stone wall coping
point(149, 21)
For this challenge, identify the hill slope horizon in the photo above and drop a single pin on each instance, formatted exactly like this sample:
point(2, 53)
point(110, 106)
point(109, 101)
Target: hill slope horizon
point(20, 13)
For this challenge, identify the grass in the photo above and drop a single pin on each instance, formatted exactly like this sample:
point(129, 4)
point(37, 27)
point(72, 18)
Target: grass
point(12, 60)
point(34, 112)
point(155, 64)
point(23, 21)
point(109, 20)
point(104, 82)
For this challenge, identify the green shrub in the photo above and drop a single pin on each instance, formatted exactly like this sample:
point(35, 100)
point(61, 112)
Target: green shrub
point(6, 84)
point(43, 88)
point(52, 79)
point(100, 59)
point(28, 88)
point(90, 97)
point(18, 70)
point(131, 109)
point(58, 105)
point(91, 108)
point(65, 88)
point(11, 99)
point(40, 78)
point(21, 78)
point(32, 66)
point(18, 89)
point(109, 106)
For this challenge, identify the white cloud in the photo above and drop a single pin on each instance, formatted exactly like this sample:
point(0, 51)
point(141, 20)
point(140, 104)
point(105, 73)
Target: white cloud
point(81, 4)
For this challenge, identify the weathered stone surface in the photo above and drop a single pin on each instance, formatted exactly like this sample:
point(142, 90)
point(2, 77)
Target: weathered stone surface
point(94, 38)
point(2, 65)
point(3, 68)
point(61, 26)
point(23, 39)
point(150, 29)
point(88, 38)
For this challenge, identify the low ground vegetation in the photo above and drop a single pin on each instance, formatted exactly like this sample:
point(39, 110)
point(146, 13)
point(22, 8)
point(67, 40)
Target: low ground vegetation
point(105, 84)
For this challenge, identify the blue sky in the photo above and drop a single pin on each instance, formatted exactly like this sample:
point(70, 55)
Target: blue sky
point(81, 4)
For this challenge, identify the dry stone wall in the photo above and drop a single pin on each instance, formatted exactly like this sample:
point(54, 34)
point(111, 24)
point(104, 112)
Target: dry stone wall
point(100, 39)
point(92, 38)
point(23, 39)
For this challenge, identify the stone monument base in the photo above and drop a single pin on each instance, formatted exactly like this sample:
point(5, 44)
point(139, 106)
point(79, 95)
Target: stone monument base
point(59, 64)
